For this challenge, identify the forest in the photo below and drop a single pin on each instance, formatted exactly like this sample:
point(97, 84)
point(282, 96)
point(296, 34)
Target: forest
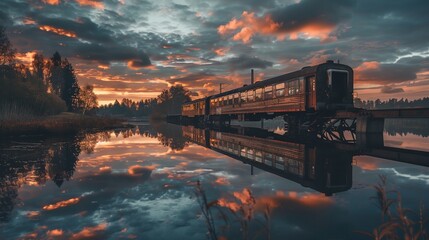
point(45, 87)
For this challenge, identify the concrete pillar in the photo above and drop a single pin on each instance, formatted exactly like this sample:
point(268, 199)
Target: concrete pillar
point(369, 132)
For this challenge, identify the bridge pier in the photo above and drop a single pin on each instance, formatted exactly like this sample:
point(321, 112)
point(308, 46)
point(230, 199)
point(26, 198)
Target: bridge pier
point(369, 125)
point(369, 131)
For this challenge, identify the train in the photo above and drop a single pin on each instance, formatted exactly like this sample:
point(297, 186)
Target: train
point(321, 88)
point(320, 167)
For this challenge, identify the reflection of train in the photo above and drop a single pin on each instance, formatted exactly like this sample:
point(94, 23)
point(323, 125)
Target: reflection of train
point(319, 168)
point(327, 86)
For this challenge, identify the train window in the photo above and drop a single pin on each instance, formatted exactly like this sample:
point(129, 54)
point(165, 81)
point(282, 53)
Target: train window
point(293, 87)
point(243, 97)
point(280, 89)
point(230, 99)
point(258, 94)
point(236, 98)
point(301, 85)
point(268, 93)
point(250, 95)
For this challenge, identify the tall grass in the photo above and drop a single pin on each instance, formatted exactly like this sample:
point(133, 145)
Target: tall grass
point(397, 222)
point(242, 213)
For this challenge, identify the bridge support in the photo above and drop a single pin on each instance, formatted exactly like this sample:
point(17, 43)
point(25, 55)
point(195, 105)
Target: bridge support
point(369, 131)
point(369, 125)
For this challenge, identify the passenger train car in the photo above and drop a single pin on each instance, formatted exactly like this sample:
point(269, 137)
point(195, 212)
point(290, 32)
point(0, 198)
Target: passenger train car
point(324, 87)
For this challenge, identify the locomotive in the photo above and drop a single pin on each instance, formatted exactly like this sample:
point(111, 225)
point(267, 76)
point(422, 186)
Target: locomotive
point(322, 88)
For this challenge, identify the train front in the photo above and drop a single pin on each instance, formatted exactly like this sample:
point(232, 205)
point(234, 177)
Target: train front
point(335, 89)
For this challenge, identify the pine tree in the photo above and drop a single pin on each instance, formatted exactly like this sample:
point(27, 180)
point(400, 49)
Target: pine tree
point(7, 52)
point(56, 76)
point(70, 93)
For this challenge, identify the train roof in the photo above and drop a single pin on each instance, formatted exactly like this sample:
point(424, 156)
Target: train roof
point(302, 72)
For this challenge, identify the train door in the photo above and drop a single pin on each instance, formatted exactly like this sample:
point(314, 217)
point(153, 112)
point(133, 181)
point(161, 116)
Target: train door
point(310, 90)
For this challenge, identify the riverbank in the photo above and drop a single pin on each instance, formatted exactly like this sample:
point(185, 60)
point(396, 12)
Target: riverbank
point(64, 123)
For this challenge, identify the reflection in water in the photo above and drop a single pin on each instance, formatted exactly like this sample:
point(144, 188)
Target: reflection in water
point(141, 182)
point(321, 167)
point(417, 127)
point(34, 164)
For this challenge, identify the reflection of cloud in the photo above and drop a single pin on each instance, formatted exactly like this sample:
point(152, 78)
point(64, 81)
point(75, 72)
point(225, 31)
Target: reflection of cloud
point(105, 170)
point(420, 177)
point(138, 170)
point(222, 181)
point(61, 204)
point(90, 232)
point(366, 163)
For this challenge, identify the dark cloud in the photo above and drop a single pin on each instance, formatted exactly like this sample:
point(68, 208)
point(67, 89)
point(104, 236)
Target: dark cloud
point(193, 77)
point(389, 89)
point(386, 73)
point(247, 62)
point(327, 12)
point(107, 53)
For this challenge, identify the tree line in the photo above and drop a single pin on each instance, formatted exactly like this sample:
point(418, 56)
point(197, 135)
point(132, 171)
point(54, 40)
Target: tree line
point(44, 87)
point(169, 101)
point(392, 103)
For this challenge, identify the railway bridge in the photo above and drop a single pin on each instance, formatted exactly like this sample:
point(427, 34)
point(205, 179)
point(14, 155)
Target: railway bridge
point(360, 125)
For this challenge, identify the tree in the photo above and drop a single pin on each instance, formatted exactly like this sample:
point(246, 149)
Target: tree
point(70, 92)
point(7, 52)
point(55, 74)
point(38, 65)
point(87, 99)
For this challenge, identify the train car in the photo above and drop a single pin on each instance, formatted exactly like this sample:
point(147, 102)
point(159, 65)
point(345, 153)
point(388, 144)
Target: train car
point(195, 111)
point(327, 86)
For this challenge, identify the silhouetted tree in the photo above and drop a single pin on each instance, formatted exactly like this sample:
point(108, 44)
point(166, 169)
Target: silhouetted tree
point(70, 93)
point(38, 65)
point(55, 74)
point(7, 52)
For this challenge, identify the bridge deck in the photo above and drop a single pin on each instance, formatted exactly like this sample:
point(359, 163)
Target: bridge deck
point(385, 113)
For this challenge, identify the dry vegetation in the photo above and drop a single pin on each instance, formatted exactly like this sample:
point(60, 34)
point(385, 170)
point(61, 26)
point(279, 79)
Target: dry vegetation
point(65, 123)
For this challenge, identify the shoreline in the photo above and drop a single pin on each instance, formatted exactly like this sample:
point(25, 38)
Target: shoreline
point(61, 124)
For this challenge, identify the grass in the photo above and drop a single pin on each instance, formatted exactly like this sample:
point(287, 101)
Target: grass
point(64, 123)
point(397, 222)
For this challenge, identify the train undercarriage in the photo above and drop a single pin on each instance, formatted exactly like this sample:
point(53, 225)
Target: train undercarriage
point(323, 124)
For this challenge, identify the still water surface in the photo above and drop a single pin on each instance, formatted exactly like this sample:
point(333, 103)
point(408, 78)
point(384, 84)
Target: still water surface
point(142, 184)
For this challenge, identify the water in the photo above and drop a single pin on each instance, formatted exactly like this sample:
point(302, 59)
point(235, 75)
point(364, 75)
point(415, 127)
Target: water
point(143, 183)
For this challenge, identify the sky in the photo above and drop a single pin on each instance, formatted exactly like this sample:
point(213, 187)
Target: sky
point(136, 48)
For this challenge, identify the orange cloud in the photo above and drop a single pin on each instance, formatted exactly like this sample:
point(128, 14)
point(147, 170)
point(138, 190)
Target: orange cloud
point(221, 51)
point(91, 3)
point(89, 232)
point(28, 21)
point(55, 233)
point(58, 31)
point(51, 2)
point(250, 25)
point(61, 204)
point(245, 28)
